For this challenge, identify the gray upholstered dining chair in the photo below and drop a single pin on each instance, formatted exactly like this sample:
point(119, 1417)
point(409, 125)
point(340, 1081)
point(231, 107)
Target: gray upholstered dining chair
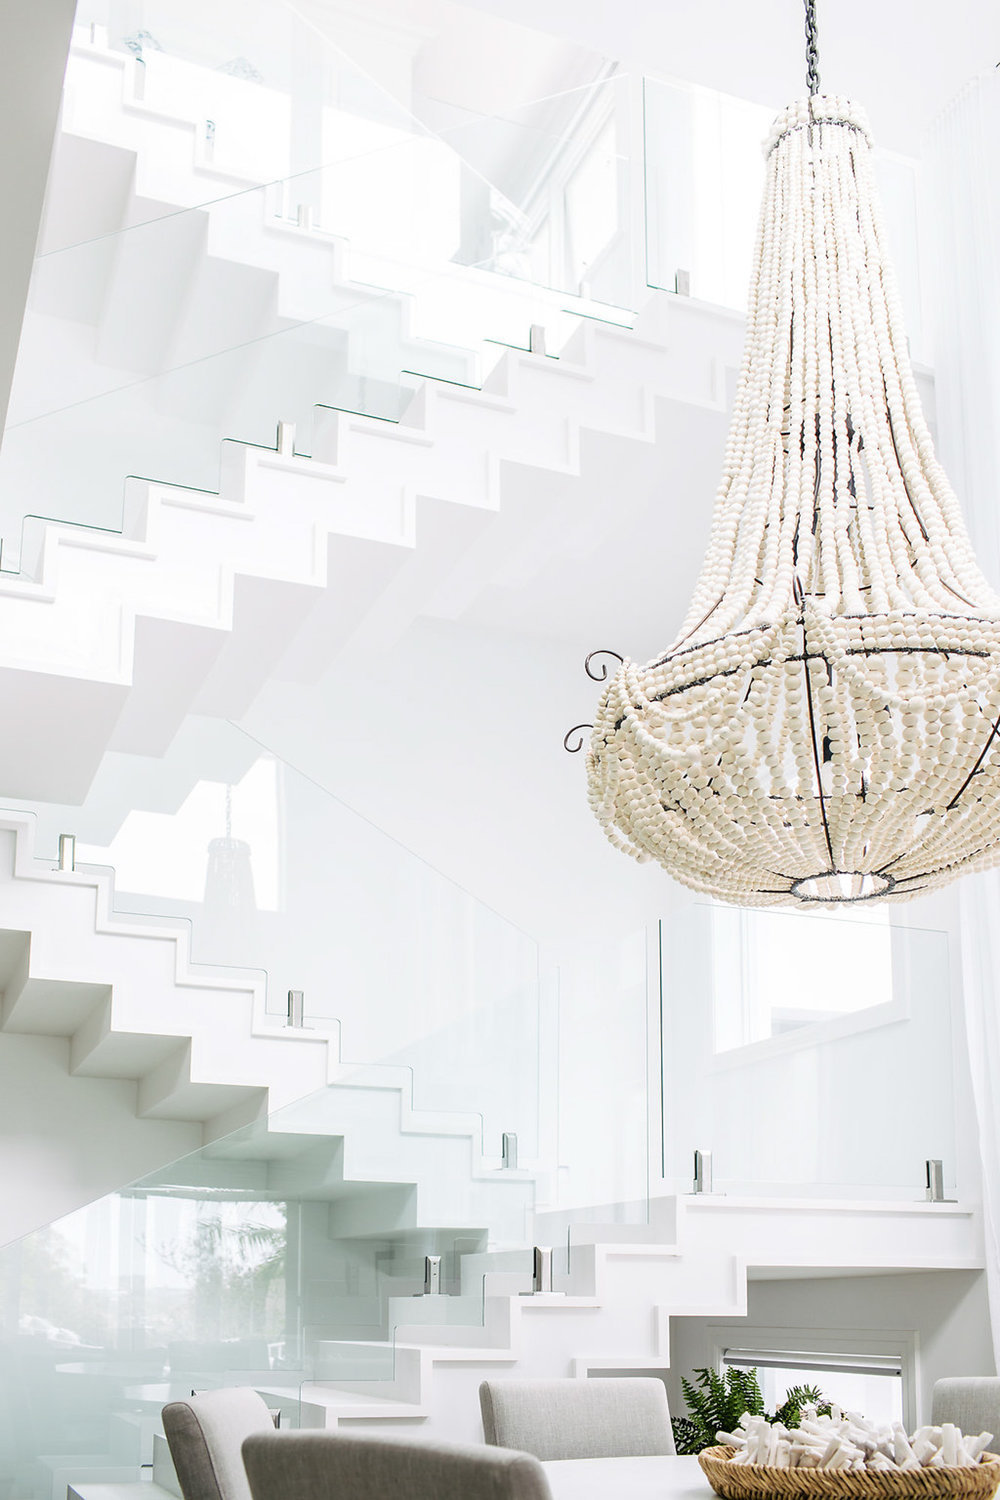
point(205, 1435)
point(972, 1402)
point(327, 1466)
point(601, 1418)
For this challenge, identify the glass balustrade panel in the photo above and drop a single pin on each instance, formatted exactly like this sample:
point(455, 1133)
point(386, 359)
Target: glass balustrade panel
point(596, 1016)
point(192, 300)
point(274, 873)
point(704, 178)
point(810, 1054)
point(183, 311)
point(291, 1256)
point(538, 129)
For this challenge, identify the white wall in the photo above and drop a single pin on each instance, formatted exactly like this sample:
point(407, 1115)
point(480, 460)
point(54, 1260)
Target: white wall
point(66, 1140)
point(458, 754)
point(908, 67)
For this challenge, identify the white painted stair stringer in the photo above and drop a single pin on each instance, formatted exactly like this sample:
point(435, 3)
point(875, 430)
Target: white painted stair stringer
point(199, 1046)
point(163, 166)
point(106, 119)
point(134, 1006)
point(178, 288)
point(622, 1295)
point(617, 1317)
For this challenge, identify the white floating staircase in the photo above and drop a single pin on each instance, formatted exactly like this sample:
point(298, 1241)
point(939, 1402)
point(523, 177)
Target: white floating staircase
point(376, 1173)
point(620, 1289)
point(197, 1043)
point(192, 609)
point(139, 159)
point(109, 640)
point(149, 272)
point(197, 1046)
point(134, 1008)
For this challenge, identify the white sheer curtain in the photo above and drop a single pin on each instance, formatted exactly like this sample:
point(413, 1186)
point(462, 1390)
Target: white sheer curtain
point(980, 916)
point(962, 219)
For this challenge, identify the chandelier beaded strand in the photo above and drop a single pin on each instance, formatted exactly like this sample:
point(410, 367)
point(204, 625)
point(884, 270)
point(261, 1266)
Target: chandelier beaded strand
point(826, 726)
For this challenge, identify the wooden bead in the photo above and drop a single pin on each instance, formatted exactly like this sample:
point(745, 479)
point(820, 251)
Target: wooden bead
point(826, 711)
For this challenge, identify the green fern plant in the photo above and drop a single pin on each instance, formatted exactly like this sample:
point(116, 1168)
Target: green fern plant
point(796, 1397)
point(717, 1402)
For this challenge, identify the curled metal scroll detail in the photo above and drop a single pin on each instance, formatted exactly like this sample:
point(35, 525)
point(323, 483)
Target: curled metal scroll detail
point(600, 673)
point(577, 730)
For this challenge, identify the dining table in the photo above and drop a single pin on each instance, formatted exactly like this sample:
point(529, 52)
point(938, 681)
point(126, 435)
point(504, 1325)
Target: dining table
point(658, 1478)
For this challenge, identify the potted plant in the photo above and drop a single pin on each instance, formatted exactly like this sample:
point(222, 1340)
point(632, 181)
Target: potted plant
point(717, 1402)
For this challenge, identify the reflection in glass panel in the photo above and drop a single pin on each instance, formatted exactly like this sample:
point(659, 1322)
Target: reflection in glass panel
point(270, 1258)
point(190, 1278)
point(591, 207)
point(774, 972)
point(122, 1306)
point(221, 845)
point(215, 1268)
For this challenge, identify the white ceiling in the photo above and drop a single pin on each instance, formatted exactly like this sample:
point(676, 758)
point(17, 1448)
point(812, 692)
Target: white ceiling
point(903, 61)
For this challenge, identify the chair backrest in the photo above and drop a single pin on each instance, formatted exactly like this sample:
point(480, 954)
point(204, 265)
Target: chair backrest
point(972, 1402)
point(205, 1435)
point(601, 1418)
point(327, 1466)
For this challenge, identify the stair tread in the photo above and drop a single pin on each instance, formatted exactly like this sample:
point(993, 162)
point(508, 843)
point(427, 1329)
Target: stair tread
point(139, 1489)
point(354, 1403)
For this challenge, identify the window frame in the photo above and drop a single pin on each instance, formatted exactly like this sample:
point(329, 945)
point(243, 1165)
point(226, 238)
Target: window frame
point(796, 1344)
point(815, 1033)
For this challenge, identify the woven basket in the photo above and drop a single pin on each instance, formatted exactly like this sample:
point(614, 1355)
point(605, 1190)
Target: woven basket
point(761, 1482)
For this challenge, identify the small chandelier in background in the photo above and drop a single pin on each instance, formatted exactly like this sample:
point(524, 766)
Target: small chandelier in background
point(229, 891)
point(825, 727)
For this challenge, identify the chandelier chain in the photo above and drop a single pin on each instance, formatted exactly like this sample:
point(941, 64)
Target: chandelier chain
point(812, 49)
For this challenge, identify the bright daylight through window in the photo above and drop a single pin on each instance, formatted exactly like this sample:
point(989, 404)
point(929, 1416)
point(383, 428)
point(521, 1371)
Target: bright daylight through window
point(774, 972)
point(868, 1383)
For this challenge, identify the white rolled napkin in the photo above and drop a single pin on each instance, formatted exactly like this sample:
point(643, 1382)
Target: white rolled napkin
point(847, 1440)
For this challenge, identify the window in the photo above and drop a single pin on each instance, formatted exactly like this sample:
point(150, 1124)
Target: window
point(868, 1383)
point(774, 972)
point(574, 210)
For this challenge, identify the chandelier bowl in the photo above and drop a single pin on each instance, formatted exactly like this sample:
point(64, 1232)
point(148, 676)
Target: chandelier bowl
point(818, 761)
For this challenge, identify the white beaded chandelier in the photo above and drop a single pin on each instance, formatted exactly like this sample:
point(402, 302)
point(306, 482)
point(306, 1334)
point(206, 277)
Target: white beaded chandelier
point(826, 726)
